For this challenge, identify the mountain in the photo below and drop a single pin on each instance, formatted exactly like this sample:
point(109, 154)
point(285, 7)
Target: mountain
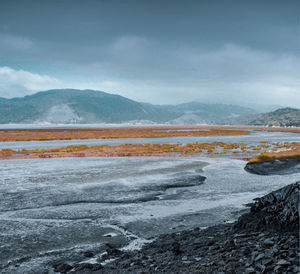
point(76, 106)
point(263, 108)
point(89, 106)
point(284, 117)
point(207, 113)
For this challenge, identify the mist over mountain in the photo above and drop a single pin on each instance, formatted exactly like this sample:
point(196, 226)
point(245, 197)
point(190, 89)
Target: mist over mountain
point(89, 106)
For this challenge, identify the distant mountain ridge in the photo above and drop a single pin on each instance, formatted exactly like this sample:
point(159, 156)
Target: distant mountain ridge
point(89, 106)
point(74, 106)
point(284, 117)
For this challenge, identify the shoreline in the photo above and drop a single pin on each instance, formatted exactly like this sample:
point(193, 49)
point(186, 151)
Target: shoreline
point(79, 155)
point(260, 241)
point(97, 253)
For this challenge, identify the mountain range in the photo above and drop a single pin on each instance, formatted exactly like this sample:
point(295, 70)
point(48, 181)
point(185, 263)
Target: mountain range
point(89, 106)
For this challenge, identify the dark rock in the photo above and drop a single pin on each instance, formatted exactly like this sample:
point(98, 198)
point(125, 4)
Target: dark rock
point(268, 242)
point(112, 251)
point(262, 268)
point(250, 270)
point(277, 268)
point(62, 268)
point(229, 245)
point(88, 254)
point(276, 166)
point(184, 258)
point(247, 250)
point(184, 182)
point(283, 262)
point(275, 211)
point(211, 242)
point(176, 249)
point(87, 266)
point(259, 257)
point(275, 249)
point(266, 261)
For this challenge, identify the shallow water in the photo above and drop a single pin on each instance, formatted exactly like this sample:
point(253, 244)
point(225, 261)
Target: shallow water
point(51, 208)
point(253, 138)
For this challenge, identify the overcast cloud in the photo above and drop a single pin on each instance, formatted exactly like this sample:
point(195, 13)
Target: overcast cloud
point(242, 52)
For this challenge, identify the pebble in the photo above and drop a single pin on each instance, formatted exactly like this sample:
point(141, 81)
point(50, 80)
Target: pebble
point(249, 270)
point(266, 261)
point(268, 242)
point(197, 259)
point(259, 257)
point(283, 262)
point(88, 254)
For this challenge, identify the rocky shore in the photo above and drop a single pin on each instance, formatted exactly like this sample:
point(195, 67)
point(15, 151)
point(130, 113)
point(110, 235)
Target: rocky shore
point(265, 240)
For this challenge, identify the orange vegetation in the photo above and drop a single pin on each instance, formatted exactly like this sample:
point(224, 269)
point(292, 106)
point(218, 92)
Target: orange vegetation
point(210, 149)
point(109, 133)
point(268, 156)
point(132, 132)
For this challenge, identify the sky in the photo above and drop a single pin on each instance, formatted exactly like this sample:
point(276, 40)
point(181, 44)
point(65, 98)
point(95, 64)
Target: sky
point(164, 52)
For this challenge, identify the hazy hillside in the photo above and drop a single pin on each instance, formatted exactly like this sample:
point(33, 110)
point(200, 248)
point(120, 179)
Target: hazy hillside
point(88, 106)
point(280, 117)
point(68, 106)
point(208, 113)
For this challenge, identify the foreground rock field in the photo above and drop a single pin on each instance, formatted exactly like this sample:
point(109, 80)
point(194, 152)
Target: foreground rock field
point(265, 240)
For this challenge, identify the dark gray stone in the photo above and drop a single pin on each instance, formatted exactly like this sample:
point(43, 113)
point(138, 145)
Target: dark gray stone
point(283, 262)
point(250, 270)
point(88, 254)
point(259, 257)
point(276, 166)
point(62, 268)
point(268, 242)
point(278, 211)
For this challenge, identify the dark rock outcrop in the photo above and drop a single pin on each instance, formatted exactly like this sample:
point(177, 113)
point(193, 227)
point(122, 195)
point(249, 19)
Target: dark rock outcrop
point(277, 211)
point(276, 166)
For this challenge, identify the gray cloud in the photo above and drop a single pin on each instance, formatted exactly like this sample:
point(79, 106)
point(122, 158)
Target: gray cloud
point(157, 51)
point(14, 82)
point(17, 43)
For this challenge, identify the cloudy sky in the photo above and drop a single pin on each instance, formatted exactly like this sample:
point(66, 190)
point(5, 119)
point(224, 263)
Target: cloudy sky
point(231, 51)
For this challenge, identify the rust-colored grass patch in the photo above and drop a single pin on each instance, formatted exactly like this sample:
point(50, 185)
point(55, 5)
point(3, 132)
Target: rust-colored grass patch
point(197, 149)
point(132, 132)
point(268, 156)
point(112, 133)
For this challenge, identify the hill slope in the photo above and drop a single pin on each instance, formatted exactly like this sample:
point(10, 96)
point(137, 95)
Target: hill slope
point(89, 106)
point(84, 106)
point(283, 117)
point(195, 112)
